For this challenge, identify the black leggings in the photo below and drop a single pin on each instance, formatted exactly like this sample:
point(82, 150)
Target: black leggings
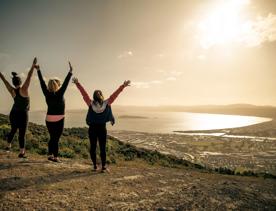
point(98, 132)
point(55, 130)
point(18, 120)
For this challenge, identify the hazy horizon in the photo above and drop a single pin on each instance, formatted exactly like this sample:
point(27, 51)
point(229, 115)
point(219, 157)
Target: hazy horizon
point(176, 53)
point(169, 108)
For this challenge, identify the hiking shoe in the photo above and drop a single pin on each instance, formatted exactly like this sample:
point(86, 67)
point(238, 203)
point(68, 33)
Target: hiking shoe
point(22, 155)
point(95, 168)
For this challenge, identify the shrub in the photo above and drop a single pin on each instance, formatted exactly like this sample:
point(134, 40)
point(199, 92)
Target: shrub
point(67, 153)
point(42, 150)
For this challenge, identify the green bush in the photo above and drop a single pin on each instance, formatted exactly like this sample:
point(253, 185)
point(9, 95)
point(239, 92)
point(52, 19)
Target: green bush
point(66, 152)
point(42, 150)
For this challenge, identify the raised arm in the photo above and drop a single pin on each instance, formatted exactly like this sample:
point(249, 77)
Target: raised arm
point(84, 94)
point(41, 80)
point(7, 84)
point(66, 80)
point(117, 92)
point(29, 76)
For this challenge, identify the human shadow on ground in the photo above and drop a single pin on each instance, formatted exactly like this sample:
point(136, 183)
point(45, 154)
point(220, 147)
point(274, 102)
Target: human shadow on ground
point(17, 183)
point(20, 163)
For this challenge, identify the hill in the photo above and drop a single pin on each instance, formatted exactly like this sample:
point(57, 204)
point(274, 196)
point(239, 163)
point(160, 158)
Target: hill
point(139, 179)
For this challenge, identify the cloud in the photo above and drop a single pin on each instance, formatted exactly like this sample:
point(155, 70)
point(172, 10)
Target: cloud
point(167, 76)
point(145, 85)
point(140, 85)
point(176, 73)
point(169, 72)
point(161, 71)
point(125, 54)
point(156, 82)
point(260, 31)
point(170, 75)
point(171, 79)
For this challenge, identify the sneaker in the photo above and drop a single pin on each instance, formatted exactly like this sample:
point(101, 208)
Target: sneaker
point(56, 160)
point(53, 159)
point(95, 168)
point(50, 158)
point(22, 155)
point(105, 170)
point(8, 148)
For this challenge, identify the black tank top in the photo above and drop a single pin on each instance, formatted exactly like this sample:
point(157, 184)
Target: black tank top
point(20, 103)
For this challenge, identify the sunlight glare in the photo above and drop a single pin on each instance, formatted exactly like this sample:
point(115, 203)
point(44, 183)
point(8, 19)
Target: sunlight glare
point(224, 24)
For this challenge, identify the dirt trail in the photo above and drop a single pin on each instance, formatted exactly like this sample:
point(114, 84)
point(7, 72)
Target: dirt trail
point(71, 185)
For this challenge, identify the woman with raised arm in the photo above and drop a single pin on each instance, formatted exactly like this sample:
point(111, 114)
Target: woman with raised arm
point(19, 112)
point(54, 95)
point(99, 113)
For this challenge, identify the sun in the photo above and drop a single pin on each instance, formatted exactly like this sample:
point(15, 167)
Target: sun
point(223, 24)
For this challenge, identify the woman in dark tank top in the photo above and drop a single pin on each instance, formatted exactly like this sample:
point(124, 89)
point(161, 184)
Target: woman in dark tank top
point(20, 108)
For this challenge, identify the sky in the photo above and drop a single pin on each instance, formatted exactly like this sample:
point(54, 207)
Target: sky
point(175, 52)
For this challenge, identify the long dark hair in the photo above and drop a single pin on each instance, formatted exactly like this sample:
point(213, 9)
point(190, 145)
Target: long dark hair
point(96, 97)
point(16, 80)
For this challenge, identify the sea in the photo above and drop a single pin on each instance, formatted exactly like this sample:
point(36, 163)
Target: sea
point(157, 121)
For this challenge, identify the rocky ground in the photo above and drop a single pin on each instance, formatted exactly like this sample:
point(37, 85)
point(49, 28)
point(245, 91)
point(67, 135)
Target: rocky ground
point(38, 184)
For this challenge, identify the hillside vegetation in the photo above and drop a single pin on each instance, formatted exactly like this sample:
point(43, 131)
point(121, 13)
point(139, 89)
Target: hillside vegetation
point(74, 143)
point(139, 179)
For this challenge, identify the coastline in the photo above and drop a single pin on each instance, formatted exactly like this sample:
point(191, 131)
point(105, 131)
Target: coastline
point(250, 147)
point(264, 129)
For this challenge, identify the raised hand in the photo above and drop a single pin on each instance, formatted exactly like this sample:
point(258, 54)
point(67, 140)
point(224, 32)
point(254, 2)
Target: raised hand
point(2, 76)
point(75, 80)
point(37, 67)
point(34, 63)
point(126, 83)
point(70, 67)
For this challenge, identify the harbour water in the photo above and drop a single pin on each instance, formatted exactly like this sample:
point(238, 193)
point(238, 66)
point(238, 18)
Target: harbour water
point(158, 122)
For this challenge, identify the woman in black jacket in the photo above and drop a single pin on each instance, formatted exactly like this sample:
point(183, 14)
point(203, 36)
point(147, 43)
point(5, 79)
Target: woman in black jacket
point(54, 95)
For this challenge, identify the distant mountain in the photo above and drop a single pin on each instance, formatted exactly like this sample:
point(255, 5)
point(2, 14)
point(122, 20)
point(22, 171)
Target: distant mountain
point(233, 109)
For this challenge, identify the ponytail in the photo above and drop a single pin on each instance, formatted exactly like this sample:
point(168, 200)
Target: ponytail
point(98, 96)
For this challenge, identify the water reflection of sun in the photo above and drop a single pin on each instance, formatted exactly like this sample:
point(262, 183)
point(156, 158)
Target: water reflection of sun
point(217, 121)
